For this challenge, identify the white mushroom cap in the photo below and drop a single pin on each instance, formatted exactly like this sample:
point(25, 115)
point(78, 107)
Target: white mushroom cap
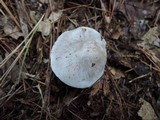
point(78, 57)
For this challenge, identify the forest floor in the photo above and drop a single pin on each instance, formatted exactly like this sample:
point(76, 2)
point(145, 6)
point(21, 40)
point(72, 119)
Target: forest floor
point(130, 86)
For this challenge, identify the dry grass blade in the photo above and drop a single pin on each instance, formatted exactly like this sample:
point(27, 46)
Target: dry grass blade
point(79, 118)
point(27, 41)
point(12, 53)
point(139, 77)
point(24, 41)
point(10, 95)
point(153, 58)
point(9, 12)
point(26, 51)
point(1, 11)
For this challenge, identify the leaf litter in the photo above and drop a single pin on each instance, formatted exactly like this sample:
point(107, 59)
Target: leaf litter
point(146, 111)
point(131, 29)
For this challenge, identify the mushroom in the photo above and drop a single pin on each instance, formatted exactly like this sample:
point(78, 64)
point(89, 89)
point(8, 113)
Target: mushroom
point(78, 57)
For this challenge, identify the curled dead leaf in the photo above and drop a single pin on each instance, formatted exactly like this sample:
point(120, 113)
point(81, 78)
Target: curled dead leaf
point(45, 27)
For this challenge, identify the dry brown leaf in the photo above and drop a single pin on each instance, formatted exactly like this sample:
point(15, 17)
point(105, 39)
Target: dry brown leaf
point(12, 30)
point(151, 38)
point(22, 17)
point(146, 111)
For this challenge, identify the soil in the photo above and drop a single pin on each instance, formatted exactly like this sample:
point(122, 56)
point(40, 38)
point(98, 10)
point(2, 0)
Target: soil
point(29, 90)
